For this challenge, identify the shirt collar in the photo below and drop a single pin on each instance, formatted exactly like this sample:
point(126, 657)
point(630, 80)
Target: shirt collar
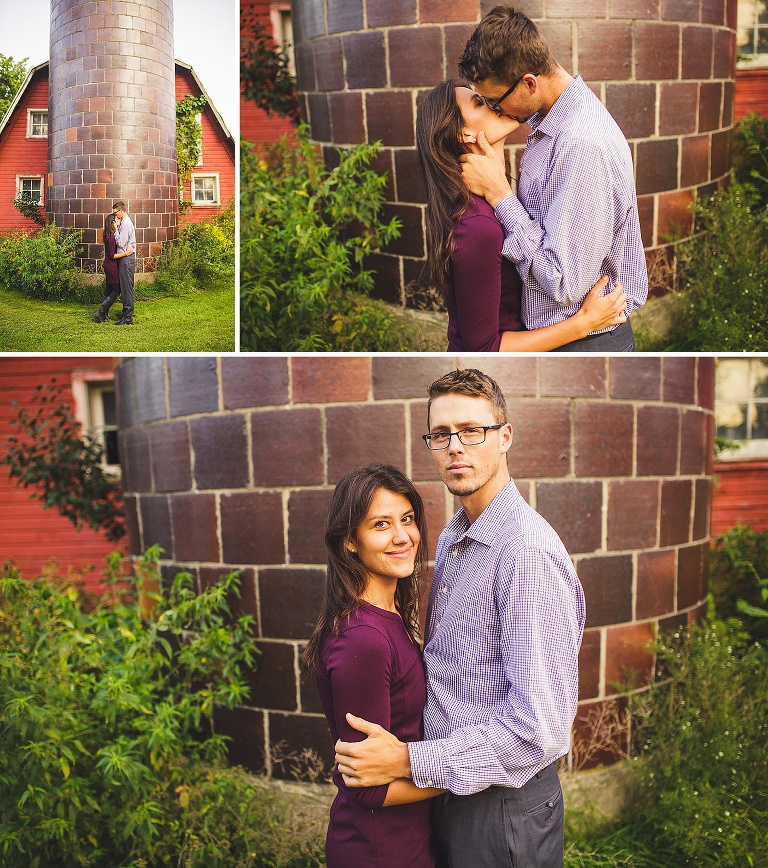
point(485, 528)
point(563, 106)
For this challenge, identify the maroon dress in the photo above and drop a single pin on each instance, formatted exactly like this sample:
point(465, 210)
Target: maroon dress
point(485, 294)
point(110, 263)
point(373, 670)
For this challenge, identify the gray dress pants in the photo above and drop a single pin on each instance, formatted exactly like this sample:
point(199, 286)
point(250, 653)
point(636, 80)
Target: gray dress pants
point(502, 827)
point(620, 340)
point(126, 265)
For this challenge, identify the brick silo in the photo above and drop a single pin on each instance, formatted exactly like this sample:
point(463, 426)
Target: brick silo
point(112, 121)
point(229, 463)
point(665, 71)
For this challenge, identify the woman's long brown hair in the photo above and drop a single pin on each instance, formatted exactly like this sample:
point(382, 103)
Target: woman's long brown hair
point(438, 141)
point(109, 221)
point(346, 578)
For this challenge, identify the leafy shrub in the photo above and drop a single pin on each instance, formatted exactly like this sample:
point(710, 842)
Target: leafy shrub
point(304, 233)
point(702, 734)
point(62, 465)
point(42, 265)
point(738, 578)
point(750, 154)
point(723, 272)
point(105, 718)
point(203, 254)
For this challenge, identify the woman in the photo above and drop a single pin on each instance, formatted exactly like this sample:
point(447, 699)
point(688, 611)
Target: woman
point(367, 660)
point(112, 289)
point(482, 288)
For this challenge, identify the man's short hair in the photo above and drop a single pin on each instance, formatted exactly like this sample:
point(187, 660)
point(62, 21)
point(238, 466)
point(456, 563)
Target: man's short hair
point(474, 383)
point(505, 45)
point(119, 206)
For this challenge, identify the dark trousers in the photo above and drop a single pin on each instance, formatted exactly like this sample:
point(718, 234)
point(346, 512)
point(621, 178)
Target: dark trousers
point(109, 295)
point(502, 827)
point(620, 340)
point(125, 268)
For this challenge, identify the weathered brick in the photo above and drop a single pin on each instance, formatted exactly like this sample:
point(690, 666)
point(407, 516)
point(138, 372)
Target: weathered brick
point(691, 575)
point(678, 108)
point(721, 153)
point(679, 379)
point(329, 62)
point(220, 445)
point(332, 380)
point(347, 118)
point(409, 178)
point(633, 514)
point(676, 495)
point(390, 117)
point(629, 658)
point(636, 379)
point(252, 528)
point(657, 50)
point(701, 510)
point(245, 728)
point(697, 52)
point(675, 215)
point(307, 509)
point(345, 15)
point(542, 438)
point(273, 679)
point(680, 10)
point(607, 583)
point(319, 117)
point(194, 528)
point(456, 37)
point(366, 60)
point(695, 154)
point(655, 583)
point(388, 13)
point(293, 733)
point(710, 105)
point(156, 523)
point(132, 523)
point(254, 382)
point(135, 460)
point(148, 389)
point(357, 435)
point(171, 460)
point(440, 11)
point(415, 56)
point(290, 601)
point(579, 377)
point(603, 434)
point(287, 447)
point(657, 440)
point(656, 166)
point(605, 49)
point(574, 509)
point(193, 384)
point(589, 665)
point(406, 377)
point(411, 240)
point(633, 107)
point(243, 604)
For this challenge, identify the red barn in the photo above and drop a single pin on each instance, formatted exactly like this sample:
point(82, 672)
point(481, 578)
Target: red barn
point(31, 536)
point(255, 124)
point(24, 151)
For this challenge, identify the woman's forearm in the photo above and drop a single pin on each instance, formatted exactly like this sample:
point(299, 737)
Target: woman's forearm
point(547, 338)
point(403, 792)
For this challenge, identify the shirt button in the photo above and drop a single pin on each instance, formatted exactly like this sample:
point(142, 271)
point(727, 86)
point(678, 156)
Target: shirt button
point(444, 590)
point(430, 783)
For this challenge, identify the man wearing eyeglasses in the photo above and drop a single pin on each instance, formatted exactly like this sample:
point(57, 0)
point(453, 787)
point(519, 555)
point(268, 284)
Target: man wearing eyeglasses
point(504, 625)
point(576, 217)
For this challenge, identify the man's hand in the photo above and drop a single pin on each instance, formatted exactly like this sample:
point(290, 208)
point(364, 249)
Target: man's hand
point(485, 173)
point(380, 759)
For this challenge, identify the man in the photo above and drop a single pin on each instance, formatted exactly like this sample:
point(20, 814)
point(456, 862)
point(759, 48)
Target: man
point(504, 624)
point(576, 217)
point(126, 240)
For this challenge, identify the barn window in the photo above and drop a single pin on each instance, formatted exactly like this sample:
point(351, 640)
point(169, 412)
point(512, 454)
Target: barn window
point(205, 189)
point(741, 407)
point(30, 188)
point(37, 123)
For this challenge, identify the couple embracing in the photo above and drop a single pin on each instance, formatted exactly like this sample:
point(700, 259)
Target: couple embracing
point(119, 239)
point(560, 265)
point(446, 757)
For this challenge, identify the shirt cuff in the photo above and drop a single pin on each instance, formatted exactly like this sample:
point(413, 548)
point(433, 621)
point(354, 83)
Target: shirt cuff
point(427, 767)
point(510, 211)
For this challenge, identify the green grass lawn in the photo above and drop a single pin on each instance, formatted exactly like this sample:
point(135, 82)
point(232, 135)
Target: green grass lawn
point(198, 321)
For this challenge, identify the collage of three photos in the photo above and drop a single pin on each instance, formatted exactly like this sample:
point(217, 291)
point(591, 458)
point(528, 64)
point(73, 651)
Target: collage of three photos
point(403, 366)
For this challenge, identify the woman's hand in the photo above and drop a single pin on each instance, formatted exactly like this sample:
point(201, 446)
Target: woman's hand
point(601, 312)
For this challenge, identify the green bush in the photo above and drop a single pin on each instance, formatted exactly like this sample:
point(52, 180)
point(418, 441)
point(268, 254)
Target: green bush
point(738, 579)
point(203, 254)
point(42, 265)
point(105, 717)
point(305, 231)
point(702, 735)
point(722, 275)
point(750, 154)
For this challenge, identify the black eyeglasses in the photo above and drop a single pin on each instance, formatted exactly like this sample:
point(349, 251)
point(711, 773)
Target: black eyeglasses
point(468, 436)
point(495, 106)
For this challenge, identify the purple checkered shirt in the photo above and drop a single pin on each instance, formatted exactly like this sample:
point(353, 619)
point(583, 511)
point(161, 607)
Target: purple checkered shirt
point(506, 615)
point(576, 217)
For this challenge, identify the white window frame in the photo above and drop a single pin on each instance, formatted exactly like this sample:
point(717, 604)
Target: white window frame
point(282, 31)
point(88, 388)
point(755, 61)
point(750, 449)
point(216, 189)
point(20, 178)
point(30, 114)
